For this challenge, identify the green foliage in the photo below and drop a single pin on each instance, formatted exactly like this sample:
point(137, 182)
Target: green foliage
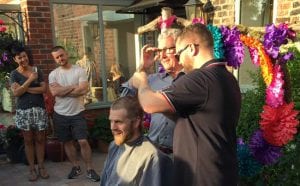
point(252, 102)
point(294, 69)
point(101, 129)
point(10, 136)
point(287, 170)
point(7, 63)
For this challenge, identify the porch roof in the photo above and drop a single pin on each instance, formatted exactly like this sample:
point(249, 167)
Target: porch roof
point(148, 6)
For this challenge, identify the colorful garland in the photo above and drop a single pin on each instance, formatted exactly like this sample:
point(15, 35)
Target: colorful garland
point(264, 60)
point(278, 124)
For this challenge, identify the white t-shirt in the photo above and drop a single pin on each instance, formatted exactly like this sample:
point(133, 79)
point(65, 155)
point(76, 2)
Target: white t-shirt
point(68, 106)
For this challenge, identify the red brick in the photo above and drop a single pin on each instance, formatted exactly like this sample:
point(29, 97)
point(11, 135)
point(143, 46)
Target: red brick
point(43, 20)
point(47, 14)
point(38, 56)
point(33, 3)
point(43, 9)
point(34, 14)
point(37, 35)
point(46, 41)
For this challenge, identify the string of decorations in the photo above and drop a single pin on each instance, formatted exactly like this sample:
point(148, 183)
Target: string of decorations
point(278, 123)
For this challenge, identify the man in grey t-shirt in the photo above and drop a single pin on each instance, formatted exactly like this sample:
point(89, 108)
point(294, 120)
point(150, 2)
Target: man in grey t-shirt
point(68, 83)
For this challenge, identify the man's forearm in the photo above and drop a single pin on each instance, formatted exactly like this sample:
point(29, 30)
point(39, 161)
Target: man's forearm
point(152, 101)
point(145, 94)
point(61, 91)
point(77, 92)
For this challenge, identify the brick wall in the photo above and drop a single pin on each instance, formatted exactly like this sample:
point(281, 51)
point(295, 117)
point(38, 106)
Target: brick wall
point(288, 11)
point(38, 36)
point(224, 14)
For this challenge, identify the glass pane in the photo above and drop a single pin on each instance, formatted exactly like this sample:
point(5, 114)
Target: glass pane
point(11, 22)
point(119, 44)
point(245, 69)
point(256, 12)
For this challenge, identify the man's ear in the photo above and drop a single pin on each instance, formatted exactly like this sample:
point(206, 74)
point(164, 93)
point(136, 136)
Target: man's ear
point(194, 49)
point(137, 122)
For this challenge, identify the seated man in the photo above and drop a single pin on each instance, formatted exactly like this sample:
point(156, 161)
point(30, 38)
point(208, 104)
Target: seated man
point(132, 159)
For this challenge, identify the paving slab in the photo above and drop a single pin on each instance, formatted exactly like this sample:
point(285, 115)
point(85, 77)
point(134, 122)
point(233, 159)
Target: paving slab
point(17, 174)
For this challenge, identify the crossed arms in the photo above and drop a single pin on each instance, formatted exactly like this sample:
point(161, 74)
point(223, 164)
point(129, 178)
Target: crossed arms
point(69, 91)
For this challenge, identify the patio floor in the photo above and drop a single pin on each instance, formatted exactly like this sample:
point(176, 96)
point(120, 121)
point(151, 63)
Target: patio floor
point(17, 174)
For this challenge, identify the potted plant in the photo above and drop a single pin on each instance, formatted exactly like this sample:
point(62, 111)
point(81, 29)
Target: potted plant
point(2, 138)
point(101, 133)
point(54, 148)
point(14, 144)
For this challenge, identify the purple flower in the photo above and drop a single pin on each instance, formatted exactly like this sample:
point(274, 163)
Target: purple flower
point(240, 141)
point(286, 57)
point(147, 117)
point(4, 56)
point(275, 37)
point(262, 151)
point(234, 49)
point(161, 68)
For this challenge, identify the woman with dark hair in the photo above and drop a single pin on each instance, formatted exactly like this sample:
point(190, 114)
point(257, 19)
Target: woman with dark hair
point(28, 86)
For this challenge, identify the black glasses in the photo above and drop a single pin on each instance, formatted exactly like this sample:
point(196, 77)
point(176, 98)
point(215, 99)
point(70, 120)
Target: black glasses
point(169, 50)
point(177, 55)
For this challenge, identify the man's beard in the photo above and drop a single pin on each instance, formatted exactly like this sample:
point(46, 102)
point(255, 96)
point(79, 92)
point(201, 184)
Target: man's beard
point(122, 138)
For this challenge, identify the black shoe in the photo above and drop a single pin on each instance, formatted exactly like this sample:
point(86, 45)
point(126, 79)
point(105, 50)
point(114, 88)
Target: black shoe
point(93, 175)
point(76, 171)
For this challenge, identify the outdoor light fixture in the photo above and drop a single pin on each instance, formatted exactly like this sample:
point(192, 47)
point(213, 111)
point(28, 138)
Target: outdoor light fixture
point(194, 9)
point(209, 12)
point(198, 9)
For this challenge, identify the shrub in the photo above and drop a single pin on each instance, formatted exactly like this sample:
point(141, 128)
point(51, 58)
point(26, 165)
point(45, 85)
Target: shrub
point(101, 129)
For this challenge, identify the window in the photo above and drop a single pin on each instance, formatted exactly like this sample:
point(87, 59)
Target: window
point(256, 13)
point(252, 13)
point(13, 24)
point(99, 40)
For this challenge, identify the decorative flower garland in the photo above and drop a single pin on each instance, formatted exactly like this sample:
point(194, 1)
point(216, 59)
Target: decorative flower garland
point(278, 123)
point(264, 60)
point(218, 41)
